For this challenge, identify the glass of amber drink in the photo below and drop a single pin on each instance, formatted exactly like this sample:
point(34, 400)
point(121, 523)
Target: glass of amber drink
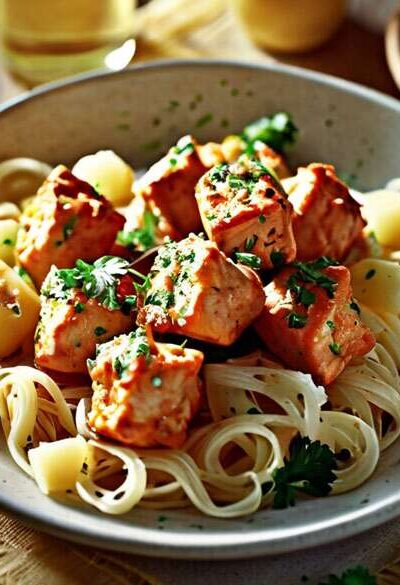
point(43, 40)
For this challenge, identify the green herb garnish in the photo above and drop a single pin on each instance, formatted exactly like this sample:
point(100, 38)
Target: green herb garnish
point(277, 258)
point(278, 131)
point(250, 243)
point(161, 298)
point(370, 274)
point(219, 173)
point(330, 324)
point(309, 469)
point(248, 259)
point(296, 321)
point(7, 242)
point(99, 331)
point(97, 281)
point(138, 345)
point(142, 238)
point(310, 272)
point(355, 576)
point(335, 348)
point(79, 307)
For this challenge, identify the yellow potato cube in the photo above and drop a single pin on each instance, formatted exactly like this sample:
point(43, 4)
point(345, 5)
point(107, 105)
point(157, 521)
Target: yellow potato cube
point(56, 466)
point(376, 283)
point(108, 174)
point(19, 310)
point(8, 237)
point(381, 210)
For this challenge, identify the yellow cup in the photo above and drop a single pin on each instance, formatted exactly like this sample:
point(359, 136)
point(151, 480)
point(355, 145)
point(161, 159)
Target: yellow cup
point(290, 25)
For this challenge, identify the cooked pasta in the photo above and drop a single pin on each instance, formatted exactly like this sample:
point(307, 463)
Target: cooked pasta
point(220, 423)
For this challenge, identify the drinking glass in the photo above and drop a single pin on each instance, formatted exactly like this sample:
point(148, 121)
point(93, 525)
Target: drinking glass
point(43, 40)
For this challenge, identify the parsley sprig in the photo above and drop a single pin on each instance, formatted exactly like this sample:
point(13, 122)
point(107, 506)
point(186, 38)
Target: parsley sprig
point(277, 131)
point(97, 281)
point(309, 469)
point(143, 238)
point(355, 576)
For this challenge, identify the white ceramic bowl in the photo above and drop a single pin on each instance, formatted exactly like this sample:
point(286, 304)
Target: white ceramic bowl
point(139, 113)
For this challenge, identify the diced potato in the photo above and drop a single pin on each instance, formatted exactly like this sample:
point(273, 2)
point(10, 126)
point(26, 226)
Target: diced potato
point(108, 174)
point(381, 210)
point(9, 211)
point(56, 465)
point(19, 310)
point(21, 177)
point(376, 283)
point(8, 237)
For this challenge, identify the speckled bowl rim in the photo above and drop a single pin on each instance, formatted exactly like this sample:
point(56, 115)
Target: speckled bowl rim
point(83, 526)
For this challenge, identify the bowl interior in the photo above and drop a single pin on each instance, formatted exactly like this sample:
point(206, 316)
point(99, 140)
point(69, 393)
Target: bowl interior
point(139, 113)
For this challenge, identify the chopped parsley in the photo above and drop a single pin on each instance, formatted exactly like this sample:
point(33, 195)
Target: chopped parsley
point(100, 331)
point(296, 321)
point(330, 324)
point(183, 148)
point(335, 348)
point(277, 131)
point(262, 218)
point(79, 307)
point(248, 259)
point(7, 242)
point(138, 345)
point(310, 272)
point(250, 243)
point(219, 173)
point(69, 227)
point(143, 238)
point(310, 469)
point(162, 298)
point(277, 258)
point(370, 274)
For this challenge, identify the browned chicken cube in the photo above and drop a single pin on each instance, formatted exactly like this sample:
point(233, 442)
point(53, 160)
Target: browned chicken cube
point(196, 291)
point(66, 220)
point(145, 393)
point(81, 307)
point(271, 159)
point(327, 220)
point(244, 209)
point(311, 322)
point(169, 186)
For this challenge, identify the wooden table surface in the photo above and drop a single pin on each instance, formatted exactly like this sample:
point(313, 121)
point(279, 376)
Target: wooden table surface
point(354, 53)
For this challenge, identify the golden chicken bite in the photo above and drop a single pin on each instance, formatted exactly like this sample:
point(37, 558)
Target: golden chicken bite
point(145, 393)
point(271, 159)
point(244, 209)
point(170, 183)
point(80, 308)
point(194, 290)
point(311, 322)
point(327, 220)
point(66, 220)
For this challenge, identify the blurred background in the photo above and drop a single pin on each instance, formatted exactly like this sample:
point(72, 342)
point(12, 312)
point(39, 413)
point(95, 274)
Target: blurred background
point(45, 40)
